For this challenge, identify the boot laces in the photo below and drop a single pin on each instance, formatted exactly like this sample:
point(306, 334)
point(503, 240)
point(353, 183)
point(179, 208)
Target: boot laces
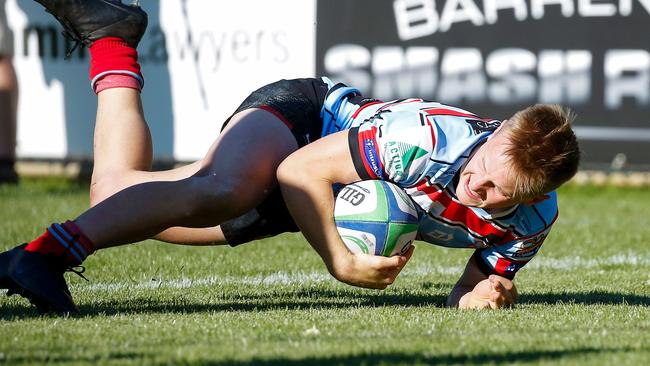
point(69, 33)
point(78, 270)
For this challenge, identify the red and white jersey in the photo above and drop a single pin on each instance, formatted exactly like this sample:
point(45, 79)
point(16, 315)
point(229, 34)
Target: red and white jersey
point(421, 146)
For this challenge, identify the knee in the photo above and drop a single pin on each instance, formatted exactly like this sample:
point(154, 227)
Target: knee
point(105, 185)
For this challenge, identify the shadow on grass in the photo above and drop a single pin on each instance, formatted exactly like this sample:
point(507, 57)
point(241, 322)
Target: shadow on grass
point(361, 359)
point(291, 300)
point(295, 300)
point(586, 298)
point(309, 300)
point(61, 359)
point(391, 358)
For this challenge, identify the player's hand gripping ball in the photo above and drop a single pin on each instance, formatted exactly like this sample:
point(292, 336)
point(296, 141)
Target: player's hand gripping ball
point(375, 217)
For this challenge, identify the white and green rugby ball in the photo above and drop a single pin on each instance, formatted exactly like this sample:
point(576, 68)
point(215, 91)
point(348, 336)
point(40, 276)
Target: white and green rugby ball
point(375, 217)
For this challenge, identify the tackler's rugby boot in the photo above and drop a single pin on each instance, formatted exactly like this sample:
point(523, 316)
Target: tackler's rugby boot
point(86, 21)
point(39, 278)
point(5, 260)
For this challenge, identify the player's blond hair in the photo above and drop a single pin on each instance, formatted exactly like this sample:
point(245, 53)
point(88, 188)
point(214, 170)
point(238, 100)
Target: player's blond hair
point(543, 151)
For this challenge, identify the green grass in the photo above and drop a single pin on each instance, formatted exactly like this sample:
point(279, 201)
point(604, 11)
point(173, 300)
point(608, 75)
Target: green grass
point(585, 300)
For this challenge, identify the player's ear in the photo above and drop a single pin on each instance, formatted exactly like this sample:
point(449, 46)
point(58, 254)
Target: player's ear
point(538, 199)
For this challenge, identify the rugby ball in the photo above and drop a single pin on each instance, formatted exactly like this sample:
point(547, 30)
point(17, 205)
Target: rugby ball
point(375, 217)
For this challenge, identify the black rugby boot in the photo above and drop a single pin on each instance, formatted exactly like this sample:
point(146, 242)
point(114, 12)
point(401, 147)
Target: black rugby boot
point(37, 277)
point(5, 259)
point(86, 21)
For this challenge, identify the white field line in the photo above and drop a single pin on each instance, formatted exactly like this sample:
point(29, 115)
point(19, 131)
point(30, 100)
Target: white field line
point(275, 279)
point(578, 262)
point(302, 278)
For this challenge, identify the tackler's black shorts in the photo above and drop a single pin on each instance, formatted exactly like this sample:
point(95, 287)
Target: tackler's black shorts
point(298, 104)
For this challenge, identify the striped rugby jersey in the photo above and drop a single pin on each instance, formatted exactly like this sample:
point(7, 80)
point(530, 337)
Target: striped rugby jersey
point(421, 146)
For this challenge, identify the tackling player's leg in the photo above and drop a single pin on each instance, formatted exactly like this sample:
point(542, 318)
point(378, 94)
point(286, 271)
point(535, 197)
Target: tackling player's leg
point(236, 175)
point(37, 275)
point(240, 173)
point(123, 151)
point(122, 140)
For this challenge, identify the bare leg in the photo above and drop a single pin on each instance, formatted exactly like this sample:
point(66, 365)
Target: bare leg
point(8, 106)
point(123, 154)
point(123, 149)
point(236, 175)
point(193, 236)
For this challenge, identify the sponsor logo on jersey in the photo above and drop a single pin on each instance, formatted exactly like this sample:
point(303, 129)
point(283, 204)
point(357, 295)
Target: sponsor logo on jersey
point(368, 147)
point(531, 244)
point(480, 126)
point(372, 158)
point(400, 156)
point(394, 163)
point(513, 267)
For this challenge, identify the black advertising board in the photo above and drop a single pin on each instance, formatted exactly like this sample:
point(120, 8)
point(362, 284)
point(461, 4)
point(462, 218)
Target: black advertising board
point(494, 57)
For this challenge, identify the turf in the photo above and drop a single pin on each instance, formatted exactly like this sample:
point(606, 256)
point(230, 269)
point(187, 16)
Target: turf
point(584, 300)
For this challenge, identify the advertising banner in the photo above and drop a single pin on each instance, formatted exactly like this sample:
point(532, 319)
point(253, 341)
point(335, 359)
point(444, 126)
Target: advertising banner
point(200, 59)
point(494, 57)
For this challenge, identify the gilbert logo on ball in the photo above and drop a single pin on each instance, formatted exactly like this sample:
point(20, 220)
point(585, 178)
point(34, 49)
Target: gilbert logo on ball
point(375, 217)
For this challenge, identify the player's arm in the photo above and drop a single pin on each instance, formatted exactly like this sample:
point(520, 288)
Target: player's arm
point(487, 279)
point(475, 290)
point(306, 178)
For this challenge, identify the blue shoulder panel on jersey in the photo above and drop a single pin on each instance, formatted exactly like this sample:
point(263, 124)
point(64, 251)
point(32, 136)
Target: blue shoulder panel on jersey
point(532, 219)
point(548, 209)
point(337, 111)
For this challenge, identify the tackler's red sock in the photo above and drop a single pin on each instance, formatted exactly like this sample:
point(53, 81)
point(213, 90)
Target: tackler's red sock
point(65, 241)
point(114, 64)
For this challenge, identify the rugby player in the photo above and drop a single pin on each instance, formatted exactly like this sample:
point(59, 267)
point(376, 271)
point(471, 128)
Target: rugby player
point(479, 183)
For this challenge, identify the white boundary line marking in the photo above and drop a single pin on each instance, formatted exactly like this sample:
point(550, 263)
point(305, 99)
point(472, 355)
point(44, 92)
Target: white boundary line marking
point(301, 278)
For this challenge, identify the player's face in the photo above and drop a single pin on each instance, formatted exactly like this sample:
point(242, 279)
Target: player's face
point(487, 181)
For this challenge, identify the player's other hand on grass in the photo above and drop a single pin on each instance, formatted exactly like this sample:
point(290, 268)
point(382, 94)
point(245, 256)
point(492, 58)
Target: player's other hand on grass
point(372, 271)
point(494, 292)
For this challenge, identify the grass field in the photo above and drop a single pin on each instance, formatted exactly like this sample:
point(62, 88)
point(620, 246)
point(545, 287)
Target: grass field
point(584, 301)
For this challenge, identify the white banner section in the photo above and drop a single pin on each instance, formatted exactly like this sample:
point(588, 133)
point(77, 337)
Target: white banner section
point(200, 59)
